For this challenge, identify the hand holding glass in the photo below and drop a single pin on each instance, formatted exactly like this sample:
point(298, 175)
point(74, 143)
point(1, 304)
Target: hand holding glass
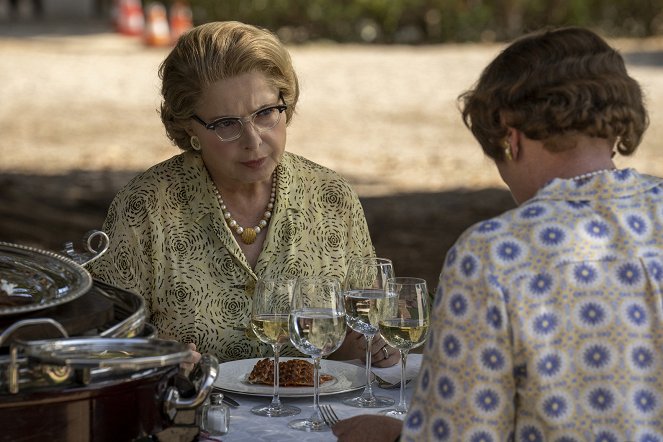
point(365, 299)
point(405, 325)
point(317, 328)
point(269, 321)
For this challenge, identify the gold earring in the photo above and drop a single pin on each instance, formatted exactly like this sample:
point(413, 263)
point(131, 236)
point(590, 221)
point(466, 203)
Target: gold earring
point(195, 143)
point(506, 146)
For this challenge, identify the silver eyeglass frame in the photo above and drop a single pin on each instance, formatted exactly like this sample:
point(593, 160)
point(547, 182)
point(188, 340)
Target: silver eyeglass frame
point(242, 120)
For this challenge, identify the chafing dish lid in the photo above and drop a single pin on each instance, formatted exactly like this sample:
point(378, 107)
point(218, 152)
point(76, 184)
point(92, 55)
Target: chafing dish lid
point(33, 279)
point(115, 353)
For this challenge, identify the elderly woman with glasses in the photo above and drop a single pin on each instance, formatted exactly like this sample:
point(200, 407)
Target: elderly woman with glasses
point(194, 233)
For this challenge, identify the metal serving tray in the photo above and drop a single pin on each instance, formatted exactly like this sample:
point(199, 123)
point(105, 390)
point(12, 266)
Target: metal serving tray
point(33, 279)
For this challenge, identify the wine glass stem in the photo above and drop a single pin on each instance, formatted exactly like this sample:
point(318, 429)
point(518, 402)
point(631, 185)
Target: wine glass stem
point(276, 401)
point(316, 417)
point(402, 405)
point(368, 391)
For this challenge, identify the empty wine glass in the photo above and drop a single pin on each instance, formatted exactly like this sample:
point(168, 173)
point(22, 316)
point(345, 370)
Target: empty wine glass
point(317, 328)
point(365, 298)
point(269, 321)
point(404, 325)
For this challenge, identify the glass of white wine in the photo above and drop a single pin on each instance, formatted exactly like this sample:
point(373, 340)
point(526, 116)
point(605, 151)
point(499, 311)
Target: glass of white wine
point(269, 321)
point(405, 325)
point(317, 328)
point(365, 298)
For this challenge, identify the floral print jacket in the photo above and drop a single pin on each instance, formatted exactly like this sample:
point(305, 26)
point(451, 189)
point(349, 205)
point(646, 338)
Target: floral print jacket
point(548, 321)
point(170, 244)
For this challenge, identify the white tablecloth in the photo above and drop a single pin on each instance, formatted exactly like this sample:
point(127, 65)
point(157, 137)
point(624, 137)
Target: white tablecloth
point(245, 426)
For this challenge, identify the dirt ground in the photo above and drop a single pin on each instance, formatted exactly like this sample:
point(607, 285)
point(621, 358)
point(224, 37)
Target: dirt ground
point(78, 118)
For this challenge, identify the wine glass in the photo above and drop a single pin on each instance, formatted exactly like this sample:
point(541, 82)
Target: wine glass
point(404, 325)
point(317, 328)
point(365, 298)
point(269, 321)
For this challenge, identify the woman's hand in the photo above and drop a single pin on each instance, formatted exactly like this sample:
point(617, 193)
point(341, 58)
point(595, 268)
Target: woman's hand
point(187, 365)
point(382, 355)
point(354, 347)
point(368, 428)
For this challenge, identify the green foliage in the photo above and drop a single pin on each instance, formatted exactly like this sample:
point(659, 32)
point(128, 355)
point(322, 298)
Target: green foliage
point(432, 21)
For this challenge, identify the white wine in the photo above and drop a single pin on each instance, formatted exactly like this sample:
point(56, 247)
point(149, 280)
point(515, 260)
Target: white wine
point(317, 332)
point(271, 328)
point(404, 334)
point(365, 307)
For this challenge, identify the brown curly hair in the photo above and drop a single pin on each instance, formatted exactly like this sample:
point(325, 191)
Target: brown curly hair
point(216, 51)
point(552, 85)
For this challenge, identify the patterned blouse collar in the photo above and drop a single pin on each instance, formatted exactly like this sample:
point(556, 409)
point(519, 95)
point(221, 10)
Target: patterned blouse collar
point(202, 200)
point(618, 183)
point(205, 207)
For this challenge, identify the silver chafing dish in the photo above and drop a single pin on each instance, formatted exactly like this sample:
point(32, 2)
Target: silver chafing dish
point(78, 361)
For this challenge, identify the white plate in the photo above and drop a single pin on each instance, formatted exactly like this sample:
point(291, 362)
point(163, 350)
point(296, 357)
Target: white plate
point(347, 377)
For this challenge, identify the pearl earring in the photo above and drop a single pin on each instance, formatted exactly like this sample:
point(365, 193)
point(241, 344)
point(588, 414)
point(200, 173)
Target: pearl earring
point(506, 146)
point(195, 143)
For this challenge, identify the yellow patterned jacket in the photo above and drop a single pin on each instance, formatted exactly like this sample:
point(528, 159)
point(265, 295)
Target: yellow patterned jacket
point(170, 244)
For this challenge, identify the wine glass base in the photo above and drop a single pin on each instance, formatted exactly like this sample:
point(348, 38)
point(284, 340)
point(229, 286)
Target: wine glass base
point(308, 425)
point(374, 402)
point(398, 414)
point(269, 411)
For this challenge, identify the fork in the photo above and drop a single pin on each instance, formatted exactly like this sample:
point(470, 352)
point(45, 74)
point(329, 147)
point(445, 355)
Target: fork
point(329, 415)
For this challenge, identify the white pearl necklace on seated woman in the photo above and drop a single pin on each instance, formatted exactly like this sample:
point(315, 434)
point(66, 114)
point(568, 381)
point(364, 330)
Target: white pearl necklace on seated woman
point(584, 176)
point(248, 234)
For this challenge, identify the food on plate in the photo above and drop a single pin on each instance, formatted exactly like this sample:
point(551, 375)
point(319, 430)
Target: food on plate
point(292, 373)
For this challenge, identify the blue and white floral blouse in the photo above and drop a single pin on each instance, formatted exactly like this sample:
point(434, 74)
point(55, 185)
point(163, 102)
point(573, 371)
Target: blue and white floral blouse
point(548, 321)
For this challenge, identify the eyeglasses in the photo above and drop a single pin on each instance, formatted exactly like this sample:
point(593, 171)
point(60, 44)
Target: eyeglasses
point(231, 128)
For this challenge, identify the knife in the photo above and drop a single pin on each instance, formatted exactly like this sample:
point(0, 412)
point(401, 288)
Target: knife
point(232, 403)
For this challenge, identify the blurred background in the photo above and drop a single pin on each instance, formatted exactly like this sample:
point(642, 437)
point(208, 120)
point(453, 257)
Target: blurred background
point(79, 95)
point(385, 21)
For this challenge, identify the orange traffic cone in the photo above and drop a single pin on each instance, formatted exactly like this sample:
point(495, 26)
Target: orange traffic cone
point(157, 32)
point(181, 20)
point(130, 20)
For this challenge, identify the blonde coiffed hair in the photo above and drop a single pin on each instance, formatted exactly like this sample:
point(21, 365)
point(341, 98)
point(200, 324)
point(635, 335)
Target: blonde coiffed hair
point(217, 51)
point(553, 85)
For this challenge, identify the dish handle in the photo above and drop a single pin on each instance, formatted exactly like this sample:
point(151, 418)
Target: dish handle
point(14, 366)
point(96, 244)
point(173, 401)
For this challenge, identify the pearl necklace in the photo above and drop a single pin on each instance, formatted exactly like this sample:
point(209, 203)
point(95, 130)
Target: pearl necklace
point(584, 176)
point(248, 234)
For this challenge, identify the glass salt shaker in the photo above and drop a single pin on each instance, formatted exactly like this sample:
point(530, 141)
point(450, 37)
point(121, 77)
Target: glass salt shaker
point(215, 417)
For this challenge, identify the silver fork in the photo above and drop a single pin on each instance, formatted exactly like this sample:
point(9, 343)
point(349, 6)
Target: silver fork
point(329, 415)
